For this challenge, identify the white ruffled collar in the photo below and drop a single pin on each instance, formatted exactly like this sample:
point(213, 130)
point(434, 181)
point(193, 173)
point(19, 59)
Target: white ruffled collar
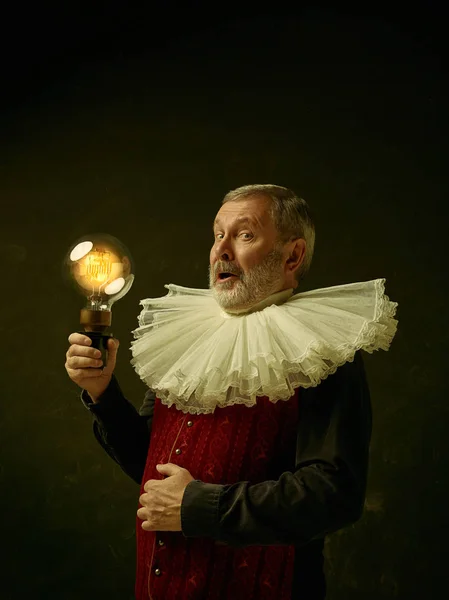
point(198, 357)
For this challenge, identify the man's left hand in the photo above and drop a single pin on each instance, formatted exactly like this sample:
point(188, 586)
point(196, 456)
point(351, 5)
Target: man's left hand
point(161, 504)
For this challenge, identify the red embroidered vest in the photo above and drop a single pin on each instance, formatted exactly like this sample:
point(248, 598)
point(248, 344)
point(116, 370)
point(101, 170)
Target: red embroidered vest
point(232, 444)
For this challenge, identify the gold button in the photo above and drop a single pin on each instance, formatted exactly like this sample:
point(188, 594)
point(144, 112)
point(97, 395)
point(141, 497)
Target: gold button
point(178, 451)
point(161, 543)
point(189, 423)
point(157, 571)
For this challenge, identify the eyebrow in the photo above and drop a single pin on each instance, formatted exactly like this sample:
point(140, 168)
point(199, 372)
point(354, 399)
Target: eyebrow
point(238, 221)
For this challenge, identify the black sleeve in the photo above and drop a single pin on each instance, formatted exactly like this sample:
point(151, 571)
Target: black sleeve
point(121, 430)
point(325, 492)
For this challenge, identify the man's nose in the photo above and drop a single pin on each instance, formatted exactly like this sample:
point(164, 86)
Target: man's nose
point(224, 251)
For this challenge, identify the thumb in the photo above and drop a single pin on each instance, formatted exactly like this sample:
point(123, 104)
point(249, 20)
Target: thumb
point(168, 469)
point(113, 346)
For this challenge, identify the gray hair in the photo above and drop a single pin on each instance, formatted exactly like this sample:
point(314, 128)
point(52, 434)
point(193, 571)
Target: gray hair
point(291, 216)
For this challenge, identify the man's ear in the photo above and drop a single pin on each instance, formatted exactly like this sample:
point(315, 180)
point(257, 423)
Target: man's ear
point(297, 254)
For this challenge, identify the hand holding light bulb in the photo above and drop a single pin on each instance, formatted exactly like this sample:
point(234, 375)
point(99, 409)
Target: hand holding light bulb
point(84, 365)
point(101, 269)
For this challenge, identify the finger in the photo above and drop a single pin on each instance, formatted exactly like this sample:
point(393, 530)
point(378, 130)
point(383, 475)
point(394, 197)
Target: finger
point(78, 350)
point(147, 526)
point(168, 469)
point(144, 498)
point(83, 362)
point(150, 484)
point(81, 374)
point(142, 513)
point(79, 338)
point(113, 344)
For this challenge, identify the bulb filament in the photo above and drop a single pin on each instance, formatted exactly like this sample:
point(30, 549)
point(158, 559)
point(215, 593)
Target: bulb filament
point(98, 267)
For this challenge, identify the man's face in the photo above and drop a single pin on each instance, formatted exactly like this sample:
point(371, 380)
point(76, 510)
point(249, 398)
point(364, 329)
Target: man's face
point(245, 238)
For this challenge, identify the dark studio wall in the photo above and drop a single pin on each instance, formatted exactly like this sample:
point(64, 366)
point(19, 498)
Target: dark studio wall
point(108, 124)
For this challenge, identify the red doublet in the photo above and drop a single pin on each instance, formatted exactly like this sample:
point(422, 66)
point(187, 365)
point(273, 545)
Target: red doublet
point(232, 444)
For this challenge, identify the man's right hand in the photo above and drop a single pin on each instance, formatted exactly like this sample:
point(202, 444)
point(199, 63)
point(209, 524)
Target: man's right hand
point(84, 367)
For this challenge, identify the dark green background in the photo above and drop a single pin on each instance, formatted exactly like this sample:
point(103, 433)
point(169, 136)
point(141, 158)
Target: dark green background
point(139, 131)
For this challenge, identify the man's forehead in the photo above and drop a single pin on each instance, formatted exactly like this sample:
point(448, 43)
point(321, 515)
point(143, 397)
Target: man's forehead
point(239, 220)
point(240, 211)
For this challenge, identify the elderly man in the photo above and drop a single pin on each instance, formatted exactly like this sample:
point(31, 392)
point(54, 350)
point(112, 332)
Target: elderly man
point(252, 441)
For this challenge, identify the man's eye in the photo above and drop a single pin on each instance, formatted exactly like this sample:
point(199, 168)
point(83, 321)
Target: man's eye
point(244, 233)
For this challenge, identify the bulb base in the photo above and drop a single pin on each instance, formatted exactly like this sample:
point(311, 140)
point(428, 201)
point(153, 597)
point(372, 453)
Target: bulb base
point(95, 320)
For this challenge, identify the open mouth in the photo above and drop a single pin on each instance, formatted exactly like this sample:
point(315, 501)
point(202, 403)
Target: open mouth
point(226, 276)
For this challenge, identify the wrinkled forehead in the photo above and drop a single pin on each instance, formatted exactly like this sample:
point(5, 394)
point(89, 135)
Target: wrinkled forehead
point(255, 209)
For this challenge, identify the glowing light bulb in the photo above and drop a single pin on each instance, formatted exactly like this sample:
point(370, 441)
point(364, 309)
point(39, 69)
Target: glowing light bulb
point(101, 268)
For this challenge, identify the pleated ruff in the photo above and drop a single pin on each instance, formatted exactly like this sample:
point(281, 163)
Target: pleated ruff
point(196, 357)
